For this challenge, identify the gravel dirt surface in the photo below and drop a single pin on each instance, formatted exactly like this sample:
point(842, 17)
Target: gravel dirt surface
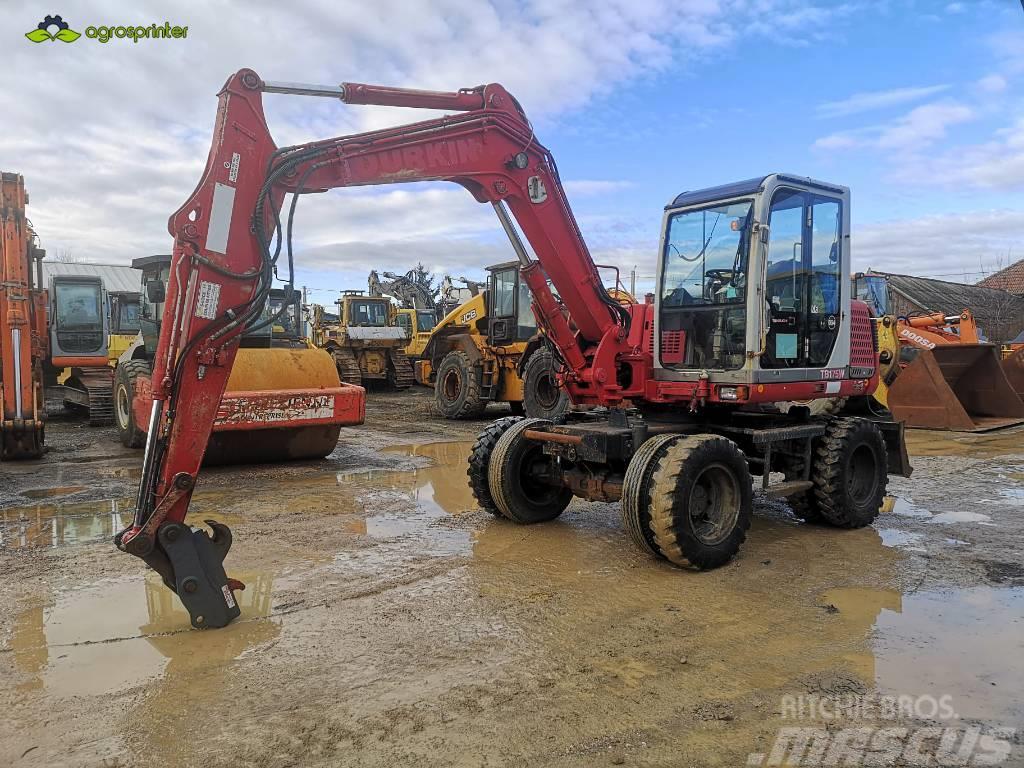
point(389, 622)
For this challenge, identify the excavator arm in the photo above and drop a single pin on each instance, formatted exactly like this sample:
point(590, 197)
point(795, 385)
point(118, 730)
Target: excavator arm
point(231, 233)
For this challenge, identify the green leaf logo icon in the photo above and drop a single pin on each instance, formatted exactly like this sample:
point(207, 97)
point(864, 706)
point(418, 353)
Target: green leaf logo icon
point(63, 32)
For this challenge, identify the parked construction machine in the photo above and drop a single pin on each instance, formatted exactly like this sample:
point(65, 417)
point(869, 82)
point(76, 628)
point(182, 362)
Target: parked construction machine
point(282, 402)
point(489, 350)
point(125, 307)
point(685, 387)
point(417, 311)
point(78, 372)
point(366, 343)
point(23, 339)
point(943, 375)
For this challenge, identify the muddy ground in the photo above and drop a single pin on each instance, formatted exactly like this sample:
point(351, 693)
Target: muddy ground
point(388, 622)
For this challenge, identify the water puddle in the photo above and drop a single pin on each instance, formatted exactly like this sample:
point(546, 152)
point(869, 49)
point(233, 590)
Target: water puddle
point(38, 526)
point(893, 537)
point(49, 493)
point(1014, 495)
point(903, 507)
point(968, 644)
point(439, 491)
point(118, 634)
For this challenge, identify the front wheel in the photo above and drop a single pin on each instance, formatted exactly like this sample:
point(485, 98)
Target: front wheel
point(124, 396)
point(480, 460)
point(701, 501)
point(850, 473)
point(543, 398)
point(457, 387)
point(515, 477)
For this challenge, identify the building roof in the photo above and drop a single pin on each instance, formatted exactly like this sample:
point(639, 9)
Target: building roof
point(999, 314)
point(1010, 279)
point(117, 278)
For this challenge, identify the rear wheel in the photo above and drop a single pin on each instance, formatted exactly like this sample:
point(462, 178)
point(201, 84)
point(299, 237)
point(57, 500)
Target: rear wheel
point(480, 460)
point(457, 387)
point(850, 473)
point(542, 396)
point(124, 395)
point(513, 477)
point(701, 501)
point(636, 492)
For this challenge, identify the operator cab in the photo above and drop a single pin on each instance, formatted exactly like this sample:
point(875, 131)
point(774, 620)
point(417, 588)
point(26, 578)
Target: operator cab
point(873, 290)
point(124, 312)
point(509, 315)
point(285, 331)
point(751, 282)
point(78, 316)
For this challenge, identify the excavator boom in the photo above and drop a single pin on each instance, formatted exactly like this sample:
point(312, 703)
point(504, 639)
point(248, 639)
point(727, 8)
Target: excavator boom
point(22, 326)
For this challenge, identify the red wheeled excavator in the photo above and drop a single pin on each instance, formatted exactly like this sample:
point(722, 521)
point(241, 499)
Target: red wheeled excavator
point(753, 310)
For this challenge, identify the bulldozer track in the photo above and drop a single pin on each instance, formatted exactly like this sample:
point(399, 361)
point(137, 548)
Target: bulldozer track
point(401, 369)
point(348, 367)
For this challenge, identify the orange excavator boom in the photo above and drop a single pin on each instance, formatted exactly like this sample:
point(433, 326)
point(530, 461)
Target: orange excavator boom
point(22, 326)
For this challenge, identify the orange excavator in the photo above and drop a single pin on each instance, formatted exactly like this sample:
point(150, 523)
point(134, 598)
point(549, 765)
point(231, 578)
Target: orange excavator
point(23, 339)
point(752, 309)
point(944, 377)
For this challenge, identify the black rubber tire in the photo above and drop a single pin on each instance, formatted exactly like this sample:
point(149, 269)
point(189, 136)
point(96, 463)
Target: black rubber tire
point(124, 392)
point(522, 502)
point(680, 475)
point(850, 473)
point(542, 397)
point(636, 492)
point(480, 460)
point(457, 387)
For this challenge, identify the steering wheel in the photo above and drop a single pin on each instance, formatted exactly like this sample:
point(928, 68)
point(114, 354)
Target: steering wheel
point(723, 275)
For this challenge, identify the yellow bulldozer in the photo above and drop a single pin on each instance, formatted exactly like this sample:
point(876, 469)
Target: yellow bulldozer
point(488, 350)
point(365, 340)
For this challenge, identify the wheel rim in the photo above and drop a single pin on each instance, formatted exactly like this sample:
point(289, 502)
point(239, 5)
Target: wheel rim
point(714, 504)
point(862, 480)
point(122, 407)
point(535, 490)
point(547, 390)
point(451, 386)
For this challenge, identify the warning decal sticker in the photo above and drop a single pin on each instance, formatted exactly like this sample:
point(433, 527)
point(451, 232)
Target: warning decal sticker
point(208, 300)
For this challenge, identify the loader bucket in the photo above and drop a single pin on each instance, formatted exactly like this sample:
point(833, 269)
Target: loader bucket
point(1013, 367)
point(960, 387)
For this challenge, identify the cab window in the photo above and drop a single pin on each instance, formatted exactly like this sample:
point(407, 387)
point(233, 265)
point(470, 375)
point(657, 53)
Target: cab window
point(78, 305)
point(425, 321)
point(369, 313)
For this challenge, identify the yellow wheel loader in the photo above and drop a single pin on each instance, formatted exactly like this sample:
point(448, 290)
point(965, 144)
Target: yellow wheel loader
point(366, 342)
point(488, 350)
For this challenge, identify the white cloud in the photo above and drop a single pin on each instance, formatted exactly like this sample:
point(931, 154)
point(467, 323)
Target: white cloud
point(952, 245)
point(912, 131)
point(112, 138)
point(992, 84)
point(872, 100)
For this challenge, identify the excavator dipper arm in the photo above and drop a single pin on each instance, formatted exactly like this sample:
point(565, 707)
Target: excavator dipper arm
point(229, 235)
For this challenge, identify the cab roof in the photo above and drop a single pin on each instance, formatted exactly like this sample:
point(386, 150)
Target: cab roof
point(745, 187)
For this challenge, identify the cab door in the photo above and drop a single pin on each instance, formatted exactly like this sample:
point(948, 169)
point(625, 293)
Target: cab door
point(803, 271)
point(502, 325)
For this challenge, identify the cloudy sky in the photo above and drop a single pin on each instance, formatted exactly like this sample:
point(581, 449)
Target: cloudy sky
point(917, 105)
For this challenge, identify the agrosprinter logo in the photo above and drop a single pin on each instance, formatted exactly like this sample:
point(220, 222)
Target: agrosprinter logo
point(61, 31)
point(55, 28)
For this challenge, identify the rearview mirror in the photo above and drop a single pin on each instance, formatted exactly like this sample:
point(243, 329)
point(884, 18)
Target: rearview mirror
point(155, 291)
